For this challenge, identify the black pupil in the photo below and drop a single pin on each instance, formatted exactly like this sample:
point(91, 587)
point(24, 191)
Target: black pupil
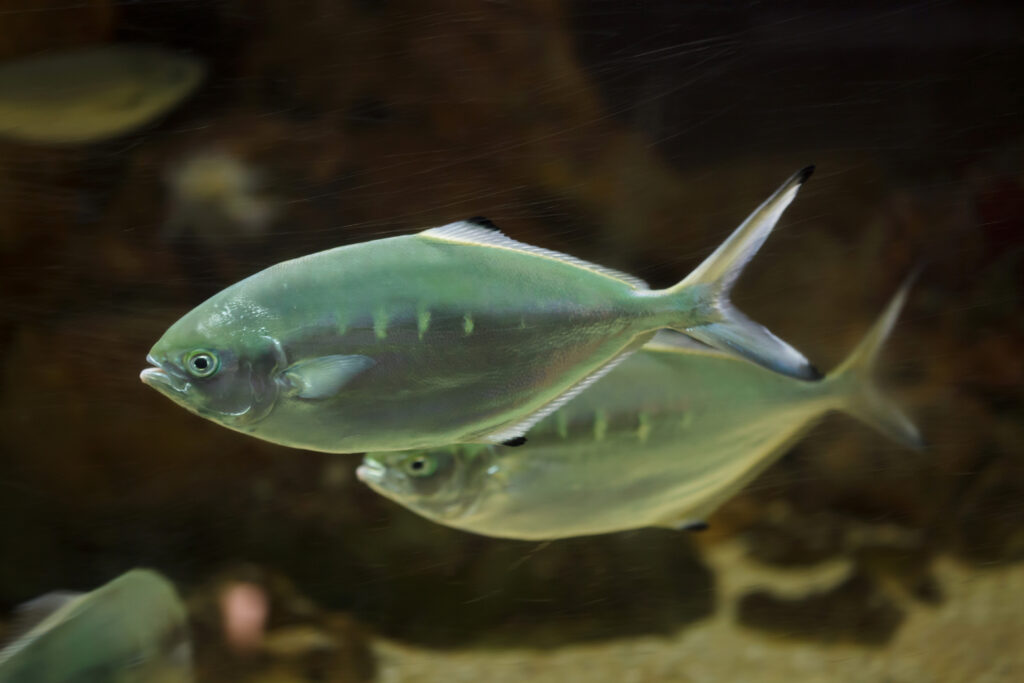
point(417, 464)
point(201, 363)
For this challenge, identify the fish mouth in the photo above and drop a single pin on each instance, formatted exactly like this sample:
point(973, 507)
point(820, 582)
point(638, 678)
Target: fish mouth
point(160, 379)
point(370, 472)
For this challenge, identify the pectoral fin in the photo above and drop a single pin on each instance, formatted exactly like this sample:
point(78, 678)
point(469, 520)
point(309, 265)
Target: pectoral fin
point(323, 377)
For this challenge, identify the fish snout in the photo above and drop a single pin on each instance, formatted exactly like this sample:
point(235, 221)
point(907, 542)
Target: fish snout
point(158, 378)
point(370, 472)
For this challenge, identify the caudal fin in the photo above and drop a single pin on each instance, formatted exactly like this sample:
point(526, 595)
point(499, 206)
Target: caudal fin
point(856, 389)
point(707, 288)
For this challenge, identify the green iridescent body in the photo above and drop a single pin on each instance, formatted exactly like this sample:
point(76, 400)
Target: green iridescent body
point(131, 630)
point(453, 335)
point(662, 440)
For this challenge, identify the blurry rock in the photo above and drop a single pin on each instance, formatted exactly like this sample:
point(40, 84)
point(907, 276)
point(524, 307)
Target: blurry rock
point(803, 541)
point(253, 625)
point(471, 590)
point(856, 611)
point(908, 569)
point(989, 523)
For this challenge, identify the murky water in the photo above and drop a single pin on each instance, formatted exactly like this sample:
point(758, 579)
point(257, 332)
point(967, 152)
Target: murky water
point(635, 135)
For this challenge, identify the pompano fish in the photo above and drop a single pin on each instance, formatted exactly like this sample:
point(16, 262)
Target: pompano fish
point(457, 334)
point(92, 94)
point(131, 630)
point(663, 440)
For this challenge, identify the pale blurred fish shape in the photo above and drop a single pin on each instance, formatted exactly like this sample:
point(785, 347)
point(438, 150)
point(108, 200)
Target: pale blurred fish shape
point(663, 440)
point(94, 93)
point(457, 334)
point(131, 630)
point(217, 199)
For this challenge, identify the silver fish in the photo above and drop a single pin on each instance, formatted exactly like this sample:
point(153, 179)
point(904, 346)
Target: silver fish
point(131, 630)
point(92, 94)
point(454, 335)
point(663, 440)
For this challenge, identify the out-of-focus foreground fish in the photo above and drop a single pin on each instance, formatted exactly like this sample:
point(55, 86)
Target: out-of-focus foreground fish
point(92, 94)
point(131, 630)
point(454, 335)
point(663, 440)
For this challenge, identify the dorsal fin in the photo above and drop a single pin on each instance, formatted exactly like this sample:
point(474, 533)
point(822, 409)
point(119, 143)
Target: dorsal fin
point(483, 232)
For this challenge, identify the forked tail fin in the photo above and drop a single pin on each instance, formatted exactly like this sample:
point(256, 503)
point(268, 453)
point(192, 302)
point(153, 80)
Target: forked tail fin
point(855, 387)
point(707, 289)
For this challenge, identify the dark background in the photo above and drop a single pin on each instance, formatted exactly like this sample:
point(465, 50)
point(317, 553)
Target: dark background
point(636, 134)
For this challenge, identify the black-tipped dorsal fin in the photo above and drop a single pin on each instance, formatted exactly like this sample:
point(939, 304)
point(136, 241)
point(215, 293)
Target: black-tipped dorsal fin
point(482, 232)
point(483, 222)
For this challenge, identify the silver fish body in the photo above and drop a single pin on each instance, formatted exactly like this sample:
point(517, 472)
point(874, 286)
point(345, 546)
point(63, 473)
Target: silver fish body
point(453, 335)
point(131, 630)
point(663, 440)
point(92, 94)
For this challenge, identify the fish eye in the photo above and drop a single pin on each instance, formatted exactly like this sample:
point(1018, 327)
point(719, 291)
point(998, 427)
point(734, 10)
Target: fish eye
point(421, 466)
point(201, 363)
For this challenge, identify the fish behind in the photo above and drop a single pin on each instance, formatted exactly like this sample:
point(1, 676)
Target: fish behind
point(131, 630)
point(457, 334)
point(92, 94)
point(663, 440)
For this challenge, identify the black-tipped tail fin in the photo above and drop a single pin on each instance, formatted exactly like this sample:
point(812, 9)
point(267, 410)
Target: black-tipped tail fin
point(712, 281)
point(856, 388)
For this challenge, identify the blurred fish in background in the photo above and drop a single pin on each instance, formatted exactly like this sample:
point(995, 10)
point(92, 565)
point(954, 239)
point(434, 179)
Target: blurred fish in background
point(662, 440)
point(92, 94)
point(131, 630)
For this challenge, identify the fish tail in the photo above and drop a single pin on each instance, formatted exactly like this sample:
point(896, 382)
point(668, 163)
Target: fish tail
point(854, 385)
point(705, 292)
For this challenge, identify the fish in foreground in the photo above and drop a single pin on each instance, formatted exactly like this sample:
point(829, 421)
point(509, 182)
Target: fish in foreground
point(92, 94)
point(663, 440)
point(453, 335)
point(131, 630)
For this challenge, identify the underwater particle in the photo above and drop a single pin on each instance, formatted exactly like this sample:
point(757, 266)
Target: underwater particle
point(217, 199)
point(92, 94)
point(244, 610)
